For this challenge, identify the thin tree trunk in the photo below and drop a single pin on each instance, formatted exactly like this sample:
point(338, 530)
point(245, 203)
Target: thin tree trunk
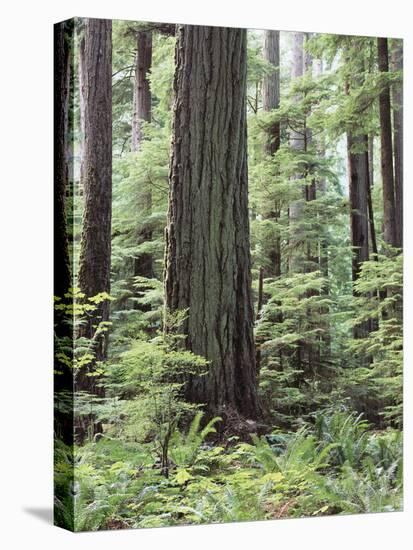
point(270, 101)
point(311, 189)
point(389, 211)
point(310, 351)
point(259, 308)
point(321, 191)
point(358, 177)
point(321, 188)
point(271, 87)
point(358, 185)
point(142, 112)
point(208, 266)
point(397, 91)
point(142, 102)
point(369, 161)
point(297, 70)
point(374, 322)
point(297, 142)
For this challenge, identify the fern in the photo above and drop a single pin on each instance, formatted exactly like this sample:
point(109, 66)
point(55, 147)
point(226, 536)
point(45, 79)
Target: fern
point(185, 448)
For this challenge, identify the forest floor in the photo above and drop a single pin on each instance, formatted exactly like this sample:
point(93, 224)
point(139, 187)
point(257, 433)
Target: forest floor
point(338, 467)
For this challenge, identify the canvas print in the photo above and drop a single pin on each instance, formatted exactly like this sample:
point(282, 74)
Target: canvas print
point(228, 274)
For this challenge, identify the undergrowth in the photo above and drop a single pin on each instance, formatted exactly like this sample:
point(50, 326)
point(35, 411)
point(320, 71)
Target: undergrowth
point(334, 465)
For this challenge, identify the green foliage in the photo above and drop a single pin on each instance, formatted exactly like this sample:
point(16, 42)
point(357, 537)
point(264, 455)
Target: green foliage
point(380, 288)
point(63, 468)
point(147, 383)
point(75, 356)
point(332, 403)
point(280, 475)
point(347, 433)
point(185, 448)
point(295, 317)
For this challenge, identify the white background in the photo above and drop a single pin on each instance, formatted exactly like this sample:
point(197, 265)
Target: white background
point(26, 272)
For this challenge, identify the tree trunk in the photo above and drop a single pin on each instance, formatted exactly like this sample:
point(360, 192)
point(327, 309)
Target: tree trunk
point(270, 101)
point(358, 179)
point(260, 303)
point(397, 90)
point(95, 248)
point(142, 112)
point(312, 352)
point(63, 65)
point(81, 71)
point(370, 161)
point(142, 105)
point(371, 158)
point(310, 190)
point(208, 266)
point(389, 212)
point(358, 176)
point(297, 142)
point(321, 189)
point(358, 184)
point(271, 87)
point(63, 121)
point(374, 323)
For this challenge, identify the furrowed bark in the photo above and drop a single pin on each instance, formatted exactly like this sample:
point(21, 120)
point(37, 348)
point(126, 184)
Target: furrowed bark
point(95, 248)
point(207, 240)
point(63, 121)
point(63, 68)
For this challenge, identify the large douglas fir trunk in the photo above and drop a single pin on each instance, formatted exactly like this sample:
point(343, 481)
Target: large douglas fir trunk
point(208, 266)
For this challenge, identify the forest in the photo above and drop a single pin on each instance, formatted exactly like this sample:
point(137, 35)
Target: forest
point(228, 274)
